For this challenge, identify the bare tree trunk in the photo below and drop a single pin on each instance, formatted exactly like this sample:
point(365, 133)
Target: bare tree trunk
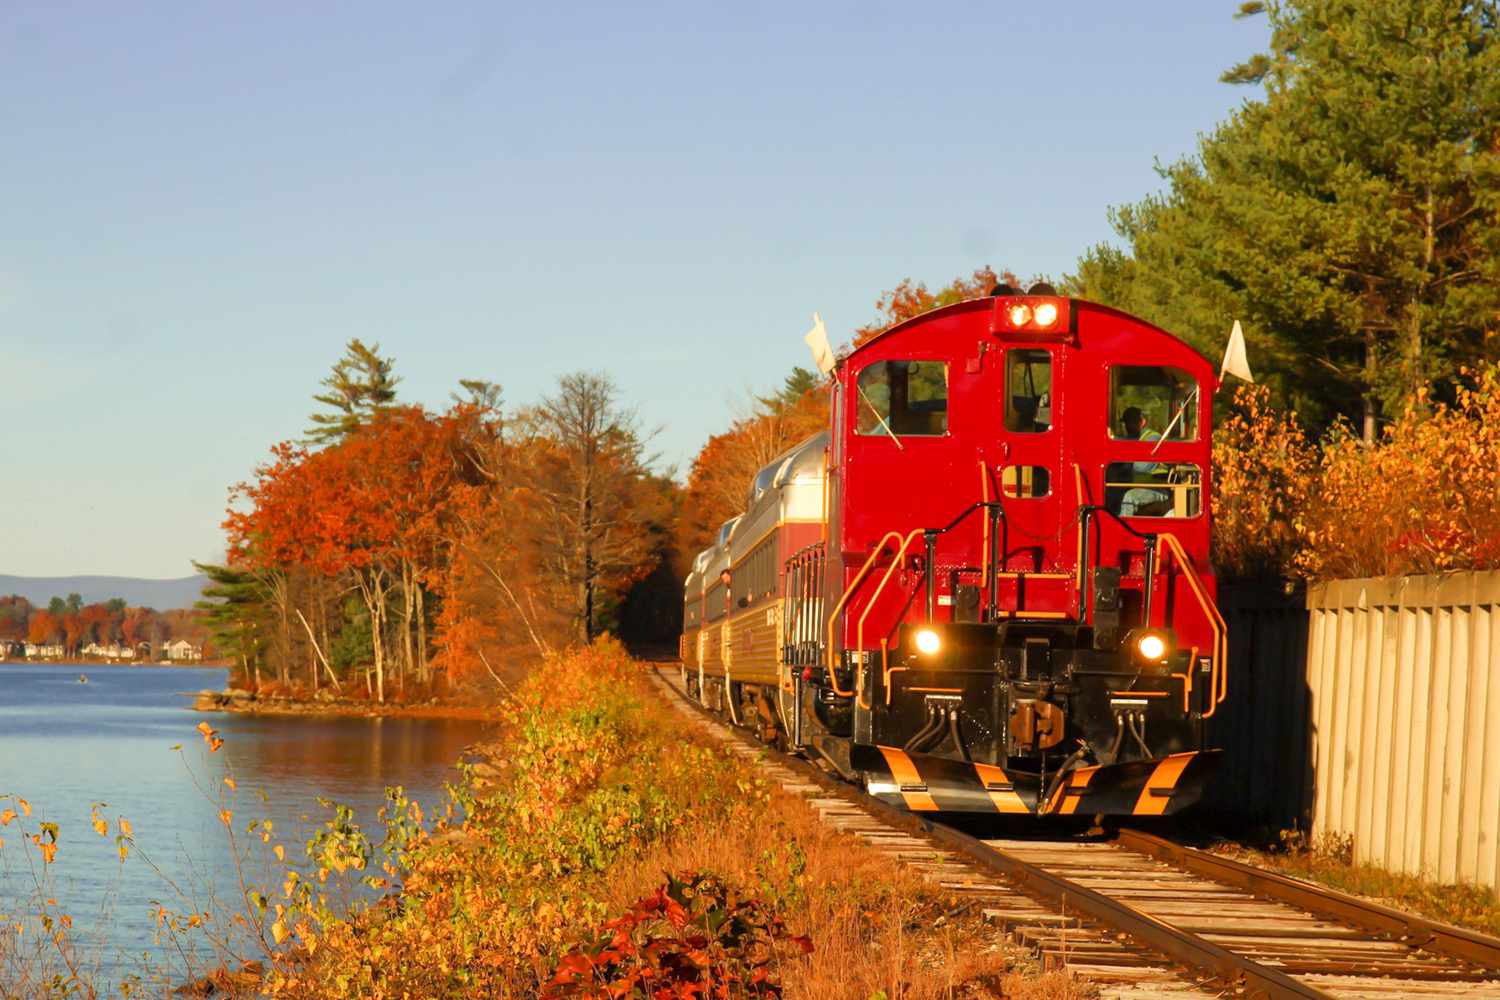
point(587, 537)
point(1415, 376)
point(408, 580)
point(373, 592)
point(377, 634)
point(422, 637)
point(319, 652)
point(322, 615)
point(526, 620)
point(284, 667)
point(1369, 394)
point(312, 661)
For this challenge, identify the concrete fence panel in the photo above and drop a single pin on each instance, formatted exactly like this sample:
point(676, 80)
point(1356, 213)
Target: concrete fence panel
point(1402, 680)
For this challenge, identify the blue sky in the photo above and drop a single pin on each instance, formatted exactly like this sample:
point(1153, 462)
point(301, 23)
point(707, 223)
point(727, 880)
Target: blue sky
point(203, 202)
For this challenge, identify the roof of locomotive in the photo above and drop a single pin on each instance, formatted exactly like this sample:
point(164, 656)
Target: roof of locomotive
point(987, 302)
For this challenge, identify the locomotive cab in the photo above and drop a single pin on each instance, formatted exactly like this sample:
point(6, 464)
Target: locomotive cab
point(1026, 620)
point(998, 598)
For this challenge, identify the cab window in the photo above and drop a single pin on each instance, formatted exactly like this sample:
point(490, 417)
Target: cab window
point(906, 398)
point(1028, 391)
point(1026, 481)
point(1153, 489)
point(1152, 403)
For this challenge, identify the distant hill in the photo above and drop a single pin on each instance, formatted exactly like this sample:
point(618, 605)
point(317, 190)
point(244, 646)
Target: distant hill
point(163, 595)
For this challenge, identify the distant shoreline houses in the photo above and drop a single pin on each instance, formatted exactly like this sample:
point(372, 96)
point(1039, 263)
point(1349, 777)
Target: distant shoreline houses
point(176, 651)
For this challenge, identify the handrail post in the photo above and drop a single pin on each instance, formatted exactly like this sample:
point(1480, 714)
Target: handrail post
point(1085, 515)
point(1150, 571)
point(930, 538)
point(994, 515)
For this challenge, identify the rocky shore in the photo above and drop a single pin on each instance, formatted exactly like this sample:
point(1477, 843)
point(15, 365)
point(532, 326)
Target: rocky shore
point(325, 703)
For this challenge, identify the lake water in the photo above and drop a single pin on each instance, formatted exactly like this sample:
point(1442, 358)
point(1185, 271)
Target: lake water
point(65, 746)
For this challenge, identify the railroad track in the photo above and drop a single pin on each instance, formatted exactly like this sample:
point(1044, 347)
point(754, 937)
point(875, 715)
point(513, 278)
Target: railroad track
point(1146, 918)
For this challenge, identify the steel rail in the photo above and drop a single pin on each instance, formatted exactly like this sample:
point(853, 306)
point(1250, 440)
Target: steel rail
point(1409, 928)
point(1195, 952)
point(1246, 976)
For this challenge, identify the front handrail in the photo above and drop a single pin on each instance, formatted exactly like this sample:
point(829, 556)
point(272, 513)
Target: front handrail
point(984, 546)
point(859, 631)
point(1219, 668)
point(833, 675)
point(1219, 671)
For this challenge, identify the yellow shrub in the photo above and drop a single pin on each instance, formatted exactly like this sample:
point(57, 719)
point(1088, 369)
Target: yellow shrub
point(1424, 498)
point(1263, 465)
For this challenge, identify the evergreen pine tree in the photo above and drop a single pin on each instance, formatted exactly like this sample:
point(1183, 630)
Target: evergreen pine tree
point(234, 605)
point(360, 385)
point(1352, 217)
point(794, 387)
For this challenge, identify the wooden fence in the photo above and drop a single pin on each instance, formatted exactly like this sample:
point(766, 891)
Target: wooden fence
point(1370, 710)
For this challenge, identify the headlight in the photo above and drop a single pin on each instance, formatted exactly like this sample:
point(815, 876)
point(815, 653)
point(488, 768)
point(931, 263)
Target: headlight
point(1152, 646)
point(928, 642)
point(1020, 314)
point(1046, 314)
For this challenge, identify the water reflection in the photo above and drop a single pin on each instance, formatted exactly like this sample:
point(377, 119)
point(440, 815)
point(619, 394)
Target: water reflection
point(66, 745)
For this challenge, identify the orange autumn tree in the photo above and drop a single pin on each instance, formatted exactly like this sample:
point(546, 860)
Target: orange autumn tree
point(566, 518)
point(436, 456)
point(363, 511)
point(136, 625)
point(908, 300)
point(511, 538)
point(43, 627)
point(74, 629)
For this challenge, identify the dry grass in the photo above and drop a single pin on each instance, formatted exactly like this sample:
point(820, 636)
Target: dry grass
point(880, 930)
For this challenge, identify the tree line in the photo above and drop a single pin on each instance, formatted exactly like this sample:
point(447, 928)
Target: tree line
point(398, 550)
point(73, 625)
point(1349, 214)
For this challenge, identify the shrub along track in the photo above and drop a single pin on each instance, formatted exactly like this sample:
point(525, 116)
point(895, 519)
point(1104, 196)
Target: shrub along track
point(1146, 918)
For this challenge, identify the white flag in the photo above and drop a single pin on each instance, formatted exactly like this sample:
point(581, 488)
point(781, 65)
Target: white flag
point(817, 342)
point(1235, 362)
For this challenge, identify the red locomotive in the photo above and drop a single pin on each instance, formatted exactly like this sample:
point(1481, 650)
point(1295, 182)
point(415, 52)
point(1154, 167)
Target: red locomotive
point(986, 586)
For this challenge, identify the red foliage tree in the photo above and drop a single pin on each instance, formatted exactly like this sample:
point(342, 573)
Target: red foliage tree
point(43, 627)
point(908, 300)
point(368, 509)
point(95, 623)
